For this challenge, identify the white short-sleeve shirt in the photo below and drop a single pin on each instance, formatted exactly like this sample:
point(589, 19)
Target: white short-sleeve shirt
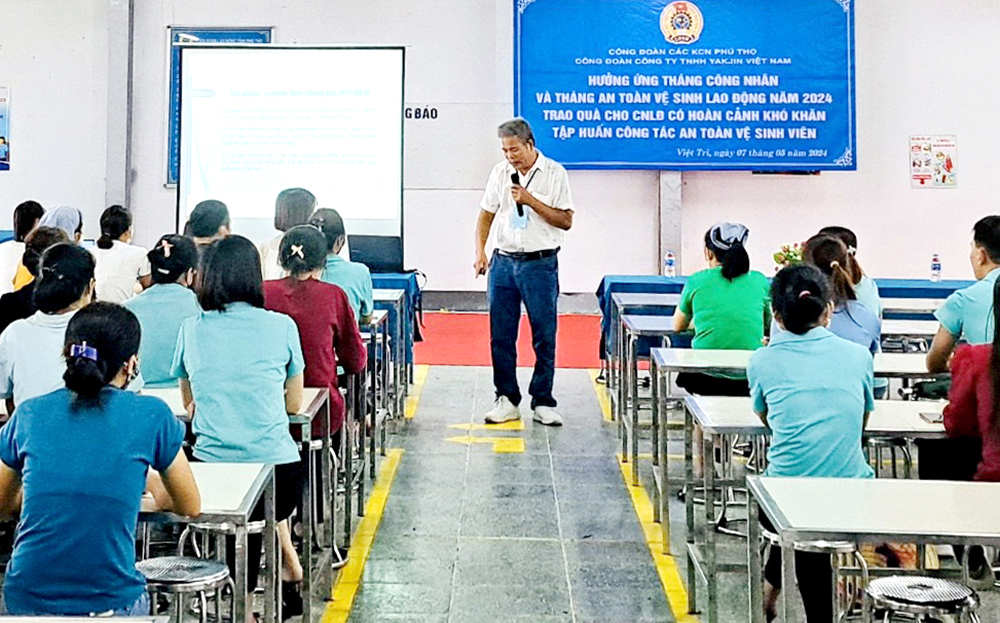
point(117, 271)
point(10, 259)
point(546, 181)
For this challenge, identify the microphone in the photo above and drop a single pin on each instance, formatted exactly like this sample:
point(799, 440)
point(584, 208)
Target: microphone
point(514, 181)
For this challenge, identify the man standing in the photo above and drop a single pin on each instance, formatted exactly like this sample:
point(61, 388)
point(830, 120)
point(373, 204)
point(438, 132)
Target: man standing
point(530, 194)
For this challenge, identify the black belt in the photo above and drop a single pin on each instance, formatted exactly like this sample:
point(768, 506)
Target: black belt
point(529, 256)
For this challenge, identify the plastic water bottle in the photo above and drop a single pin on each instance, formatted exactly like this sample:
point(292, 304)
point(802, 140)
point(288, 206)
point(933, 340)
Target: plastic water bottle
point(935, 268)
point(670, 264)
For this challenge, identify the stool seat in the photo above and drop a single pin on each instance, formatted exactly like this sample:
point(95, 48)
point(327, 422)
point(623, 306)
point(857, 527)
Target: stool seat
point(183, 574)
point(922, 591)
point(814, 547)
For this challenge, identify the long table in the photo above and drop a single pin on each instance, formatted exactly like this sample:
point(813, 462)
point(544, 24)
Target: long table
point(316, 403)
point(865, 510)
point(229, 493)
point(408, 283)
point(394, 302)
point(722, 418)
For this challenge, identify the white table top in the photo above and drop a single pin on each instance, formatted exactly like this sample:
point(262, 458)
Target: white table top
point(645, 299)
point(908, 365)
point(911, 306)
point(880, 509)
point(388, 295)
point(909, 328)
point(229, 491)
point(891, 418)
point(172, 396)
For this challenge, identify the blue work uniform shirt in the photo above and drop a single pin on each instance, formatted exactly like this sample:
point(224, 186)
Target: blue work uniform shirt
point(815, 389)
point(161, 310)
point(355, 280)
point(237, 362)
point(83, 470)
point(968, 313)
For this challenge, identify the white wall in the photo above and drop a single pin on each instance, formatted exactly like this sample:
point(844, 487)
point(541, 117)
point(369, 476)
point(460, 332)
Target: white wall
point(912, 78)
point(915, 76)
point(54, 56)
point(458, 61)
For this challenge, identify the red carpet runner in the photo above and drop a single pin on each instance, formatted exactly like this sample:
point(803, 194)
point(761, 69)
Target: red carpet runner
point(453, 339)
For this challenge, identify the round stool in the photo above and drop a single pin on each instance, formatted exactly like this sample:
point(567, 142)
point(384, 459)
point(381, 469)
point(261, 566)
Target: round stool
point(179, 576)
point(208, 530)
point(877, 445)
point(837, 550)
point(920, 597)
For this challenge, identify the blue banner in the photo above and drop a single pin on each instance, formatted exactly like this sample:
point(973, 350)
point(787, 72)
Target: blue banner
point(196, 35)
point(711, 84)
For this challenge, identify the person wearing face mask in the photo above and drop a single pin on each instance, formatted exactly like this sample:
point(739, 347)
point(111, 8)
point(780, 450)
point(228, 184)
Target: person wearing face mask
point(164, 306)
point(528, 206)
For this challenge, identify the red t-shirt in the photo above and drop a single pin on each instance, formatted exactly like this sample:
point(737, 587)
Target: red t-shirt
point(328, 331)
point(970, 409)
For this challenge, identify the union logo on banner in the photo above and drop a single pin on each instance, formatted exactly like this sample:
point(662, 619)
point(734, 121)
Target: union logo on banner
point(681, 23)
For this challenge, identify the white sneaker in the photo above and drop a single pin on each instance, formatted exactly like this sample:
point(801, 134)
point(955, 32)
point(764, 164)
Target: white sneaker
point(503, 411)
point(547, 416)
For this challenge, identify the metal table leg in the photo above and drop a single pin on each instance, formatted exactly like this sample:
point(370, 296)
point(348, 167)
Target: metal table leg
point(712, 615)
point(633, 353)
point(273, 574)
point(307, 524)
point(690, 484)
point(756, 585)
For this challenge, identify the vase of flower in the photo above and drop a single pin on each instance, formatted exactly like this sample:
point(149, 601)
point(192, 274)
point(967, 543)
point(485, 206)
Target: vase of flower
point(788, 255)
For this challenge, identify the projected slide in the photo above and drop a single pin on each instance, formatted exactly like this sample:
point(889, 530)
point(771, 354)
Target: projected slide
point(257, 120)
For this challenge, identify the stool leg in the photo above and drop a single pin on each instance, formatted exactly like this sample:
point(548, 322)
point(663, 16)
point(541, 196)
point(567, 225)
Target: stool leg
point(218, 605)
point(892, 453)
point(204, 607)
point(179, 607)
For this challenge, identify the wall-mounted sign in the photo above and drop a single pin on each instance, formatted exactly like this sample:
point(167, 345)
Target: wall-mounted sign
point(934, 161)
point(709, 84)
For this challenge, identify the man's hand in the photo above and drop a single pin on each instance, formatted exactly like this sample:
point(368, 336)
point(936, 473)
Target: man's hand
point(480, 264)
point(521, 195)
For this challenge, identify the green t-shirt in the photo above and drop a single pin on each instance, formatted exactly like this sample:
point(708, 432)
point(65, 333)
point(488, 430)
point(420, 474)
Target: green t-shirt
point(727, 314)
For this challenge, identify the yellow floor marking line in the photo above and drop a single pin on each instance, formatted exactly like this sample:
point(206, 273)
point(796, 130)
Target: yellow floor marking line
point(602, 394)
point(419, 377)
point(349, 578)
point(514, 425)
point(666, 566)
point(501, 445)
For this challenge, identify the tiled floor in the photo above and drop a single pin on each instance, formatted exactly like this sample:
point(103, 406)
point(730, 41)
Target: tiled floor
point(547, 535)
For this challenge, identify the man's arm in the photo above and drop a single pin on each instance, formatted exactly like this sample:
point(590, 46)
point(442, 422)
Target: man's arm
point(563, 219)
point(483, 226)
point(940, 350)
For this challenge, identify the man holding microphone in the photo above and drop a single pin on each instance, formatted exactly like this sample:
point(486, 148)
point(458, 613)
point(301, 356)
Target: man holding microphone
point(529, 198)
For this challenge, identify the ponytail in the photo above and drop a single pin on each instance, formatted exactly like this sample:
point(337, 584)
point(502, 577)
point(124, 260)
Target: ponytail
point(735, 262)
point(115, 221)
point(172, 256)
point(302, 250)
point(799, 296)
point(850, 240)
point(830, 255)
point(100, 339)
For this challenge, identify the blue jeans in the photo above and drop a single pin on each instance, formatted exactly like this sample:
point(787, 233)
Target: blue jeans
point(536, 284)
point(140, 608)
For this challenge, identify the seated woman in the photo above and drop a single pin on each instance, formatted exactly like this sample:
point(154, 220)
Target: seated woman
point(163, 307)
point(120, 264)
point(21, 304)
point(814, 391)
point(240, 369)
point(726, 305)
point(329, 333)
point(353, 277)
point(74, 553)
point(864, 286)
point(31, 361)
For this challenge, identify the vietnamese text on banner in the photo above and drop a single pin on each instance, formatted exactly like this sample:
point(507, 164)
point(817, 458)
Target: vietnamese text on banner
point(712, 84)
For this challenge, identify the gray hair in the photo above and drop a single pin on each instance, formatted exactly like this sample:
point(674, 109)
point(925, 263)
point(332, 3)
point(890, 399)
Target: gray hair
point(517, 128)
